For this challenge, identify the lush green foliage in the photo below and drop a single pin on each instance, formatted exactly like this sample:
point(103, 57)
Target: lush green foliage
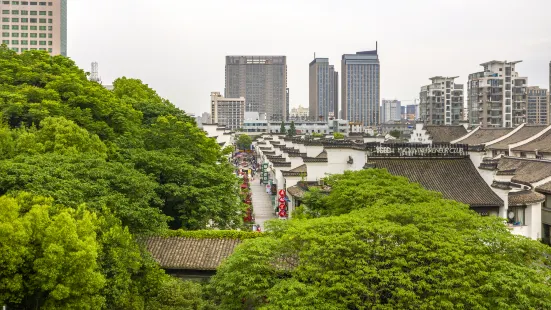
point(317, 135)
point(338, 136)
point(292, 130)
point(63, 258)
point(112, 164)
point(397, 249)
point(282, 129)
point(128, 149)
point(244, 142)
point(395, 133)
point(212, 234)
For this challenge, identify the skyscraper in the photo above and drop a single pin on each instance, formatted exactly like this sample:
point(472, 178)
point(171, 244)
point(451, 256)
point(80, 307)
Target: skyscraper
point(229, 112)
point(497, 95)
point(537, 107)
point(360, 87)
point(391, 110)
point(323, 90)
point(441, 101)
point(261, 80)
point(32, 25)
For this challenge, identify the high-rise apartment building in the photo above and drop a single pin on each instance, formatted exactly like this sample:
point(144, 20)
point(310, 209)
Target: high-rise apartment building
point(537, 107)
point(360, 87)
point(323, 90)
point(229, 112)
point(441, 101)
point(497, 96)
point(261, 80)
point(391, 110)
point(299, 113)
point(35, 25)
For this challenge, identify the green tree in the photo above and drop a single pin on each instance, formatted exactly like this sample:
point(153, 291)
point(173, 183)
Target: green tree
point(282, 129)
point(57, 264)
point(338, 136)
point(427, 255)
point(395, 133)
point(244, 142)
point(317, 135)
point(292, 130)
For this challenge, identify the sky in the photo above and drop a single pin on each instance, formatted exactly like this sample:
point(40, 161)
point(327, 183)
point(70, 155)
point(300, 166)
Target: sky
point(178, 47)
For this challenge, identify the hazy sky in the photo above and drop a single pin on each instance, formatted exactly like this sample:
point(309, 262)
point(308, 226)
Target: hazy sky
point(178, 46)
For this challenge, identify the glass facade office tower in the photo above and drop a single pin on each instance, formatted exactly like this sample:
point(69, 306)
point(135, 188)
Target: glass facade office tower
point(262, 81)
point(323, 90)
point(360, 88)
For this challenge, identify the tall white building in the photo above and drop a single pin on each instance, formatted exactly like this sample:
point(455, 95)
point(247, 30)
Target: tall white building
point(229, 112)
point(441, 101)
point(497, 95)
point(299, 113)
point(391, 110)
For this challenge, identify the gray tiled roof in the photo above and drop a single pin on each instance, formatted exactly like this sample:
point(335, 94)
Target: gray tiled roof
point(190, 253)
point(523, 198)
point(544, 188)
point(445, 134)
point(484, 135)
point(298, 171)
point(542, 144)
point(524, 133)
point(526, 171)
point(456, 179)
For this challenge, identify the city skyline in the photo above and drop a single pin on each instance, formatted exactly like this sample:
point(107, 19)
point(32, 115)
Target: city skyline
point(411, 51)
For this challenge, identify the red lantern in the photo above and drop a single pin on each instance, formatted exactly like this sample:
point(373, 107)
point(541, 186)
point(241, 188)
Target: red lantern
point(281, 199)
point(281, 193)
point(282, 206)
point(282, 213)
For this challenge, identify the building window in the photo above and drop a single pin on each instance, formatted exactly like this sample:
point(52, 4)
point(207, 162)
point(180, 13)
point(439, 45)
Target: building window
point(34, 35)
point(25, 27)
point(15, 20)
point(24, 42)
point(24, 49)
point(24, 20)
point(15, 2)
point(33, 42)
point(33, 20)
point(515, 215)
point(14, 12)
point(15, 27)
point(6, 27)
point(5, 19)
point(34, 13)
point(5, 41)
point(15, 35)
point(42, 42)
point(15, 49)
point(43, 13)
point(50, 21)
point(24, 12)
point(5, 2)
point(42, 35)
point(5, 34)
point(15, 42)
point(5, 11)
point(42, 20)
point(50, 28)
point(42, 28)
point(50, 13)
point(33, 27)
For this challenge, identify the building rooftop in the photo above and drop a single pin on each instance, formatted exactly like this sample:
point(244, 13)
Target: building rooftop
point(190, 253)
point(445, 134)
point(456, 178)
point(484, 135)
point(541, 144)
point(500, 62)
point(544, 188)
point(443, 77)
point(525, 170)
point(527, 131)
point(523, 198)
point(296, 172)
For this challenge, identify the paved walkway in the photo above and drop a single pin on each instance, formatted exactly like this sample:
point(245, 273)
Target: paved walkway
point(262, 204)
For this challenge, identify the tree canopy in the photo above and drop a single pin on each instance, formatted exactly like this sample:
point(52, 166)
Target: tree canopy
point(338, 136)
point(244, 142)
point(389, 252)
